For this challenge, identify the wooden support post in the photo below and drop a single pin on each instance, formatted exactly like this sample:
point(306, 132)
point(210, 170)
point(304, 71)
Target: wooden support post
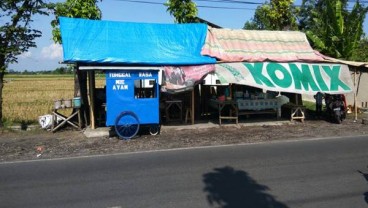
point(355, 98)
point(82, 80)
point(193, 110)
point(77, 91)
point(91, 98)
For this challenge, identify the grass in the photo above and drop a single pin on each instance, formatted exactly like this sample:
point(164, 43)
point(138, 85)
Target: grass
point(26, 97)
point(311, 106)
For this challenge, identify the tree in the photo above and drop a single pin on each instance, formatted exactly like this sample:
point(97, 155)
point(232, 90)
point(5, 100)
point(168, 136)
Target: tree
point(276, 15)
point(64, 70)
point(60, 70)
point(184, 11)
point(16, 33)
point(331, 27)
point(361, 52)
point(86, 9)
point(260, 21)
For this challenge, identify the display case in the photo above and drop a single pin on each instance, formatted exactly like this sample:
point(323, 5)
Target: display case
point(257, 102)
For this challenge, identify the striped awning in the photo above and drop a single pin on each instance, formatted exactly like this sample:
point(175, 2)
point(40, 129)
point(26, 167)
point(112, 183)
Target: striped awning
point(229, 45)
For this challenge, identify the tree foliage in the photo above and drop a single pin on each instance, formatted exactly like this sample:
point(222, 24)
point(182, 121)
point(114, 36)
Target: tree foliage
point(361, 52)
point(274, 15)
point(86, 9)
point(331, 27)
point(63, 70)
point(16, 33)
point(184, 11)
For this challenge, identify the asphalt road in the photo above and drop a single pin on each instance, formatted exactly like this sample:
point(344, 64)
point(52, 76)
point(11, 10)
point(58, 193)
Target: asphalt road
point(311, 173)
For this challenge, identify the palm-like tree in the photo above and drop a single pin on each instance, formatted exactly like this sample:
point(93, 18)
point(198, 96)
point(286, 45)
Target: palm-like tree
point(331, 28)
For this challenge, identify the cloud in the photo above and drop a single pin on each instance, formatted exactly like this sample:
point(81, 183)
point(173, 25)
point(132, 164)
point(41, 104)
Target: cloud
point(53, 51)
point(26, 54)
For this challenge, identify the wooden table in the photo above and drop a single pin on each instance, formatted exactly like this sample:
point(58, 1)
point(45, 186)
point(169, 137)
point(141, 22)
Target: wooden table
point(169, 105)
point(220, 105)
point(297, 112)
point(65, 119)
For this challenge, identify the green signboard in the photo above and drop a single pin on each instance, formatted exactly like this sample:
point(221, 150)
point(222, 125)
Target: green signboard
point(304, 78)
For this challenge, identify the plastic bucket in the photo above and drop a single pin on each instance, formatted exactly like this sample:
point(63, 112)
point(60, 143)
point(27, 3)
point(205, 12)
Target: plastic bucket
point(57, 104)
point(77, 102)
point(68, 103)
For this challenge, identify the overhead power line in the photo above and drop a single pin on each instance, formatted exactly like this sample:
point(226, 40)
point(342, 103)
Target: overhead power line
point(205, 6)
point(143, 2)
point(232, 2)
point(353, 1)
point(218, 7)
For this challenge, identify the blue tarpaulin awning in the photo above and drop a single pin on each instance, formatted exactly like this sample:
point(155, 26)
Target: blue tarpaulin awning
point(111, 42)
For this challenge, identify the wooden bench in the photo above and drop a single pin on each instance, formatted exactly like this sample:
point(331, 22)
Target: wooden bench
point(220, 105)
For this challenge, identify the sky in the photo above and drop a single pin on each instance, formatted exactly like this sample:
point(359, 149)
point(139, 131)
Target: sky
point(48, 55)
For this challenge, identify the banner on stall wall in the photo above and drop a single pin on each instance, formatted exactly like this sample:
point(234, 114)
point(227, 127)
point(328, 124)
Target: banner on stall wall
point(303, 78)
point(182, 78)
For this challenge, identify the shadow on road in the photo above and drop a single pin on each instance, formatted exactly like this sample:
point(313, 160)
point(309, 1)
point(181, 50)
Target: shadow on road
point(365, 175)
point(230, 188)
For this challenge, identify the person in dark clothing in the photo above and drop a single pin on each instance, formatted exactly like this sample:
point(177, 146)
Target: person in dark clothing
point(319, 97)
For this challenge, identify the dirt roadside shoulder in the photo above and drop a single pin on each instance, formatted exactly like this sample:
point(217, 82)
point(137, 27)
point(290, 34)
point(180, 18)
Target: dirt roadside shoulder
point(40, 144)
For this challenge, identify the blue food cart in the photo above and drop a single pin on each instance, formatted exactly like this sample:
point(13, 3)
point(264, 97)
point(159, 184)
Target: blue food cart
point(132, 100)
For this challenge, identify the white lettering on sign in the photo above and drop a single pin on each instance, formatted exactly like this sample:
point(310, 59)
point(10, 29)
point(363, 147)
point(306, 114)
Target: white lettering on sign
point(120, 87)
point(145, 74)
point(121, 82)
point(122, 74)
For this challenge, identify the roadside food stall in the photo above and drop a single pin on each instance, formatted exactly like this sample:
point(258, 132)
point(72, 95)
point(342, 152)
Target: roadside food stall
point(112, 46)
point(242, 99)
point(271, 61)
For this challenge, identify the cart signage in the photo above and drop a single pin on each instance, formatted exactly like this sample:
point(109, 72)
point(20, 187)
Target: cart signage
point(288, 77)
point(121, 74)
point(145, 74)
point(120, 85)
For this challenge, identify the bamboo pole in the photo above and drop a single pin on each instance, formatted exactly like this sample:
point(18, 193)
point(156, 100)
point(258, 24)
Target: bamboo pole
point(91, 96)
point(355, 97)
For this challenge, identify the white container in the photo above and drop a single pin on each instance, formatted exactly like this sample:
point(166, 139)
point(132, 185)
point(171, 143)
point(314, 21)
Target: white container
point(67, 103)
point(57, 104)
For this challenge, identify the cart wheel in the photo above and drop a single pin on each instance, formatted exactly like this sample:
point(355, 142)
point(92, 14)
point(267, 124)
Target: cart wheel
point(127, 125)
point(154, 130)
